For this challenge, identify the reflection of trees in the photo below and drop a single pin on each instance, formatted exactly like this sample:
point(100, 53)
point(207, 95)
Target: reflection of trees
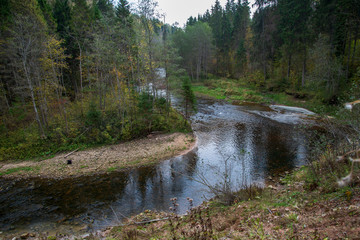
point(279, 152)
point(191, 162)
point(273, 148)
point(266, 147)
point(68, 197)
point(152, 187)
point(144, 174)
point(73, 196)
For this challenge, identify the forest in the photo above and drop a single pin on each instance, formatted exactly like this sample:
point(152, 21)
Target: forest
point(81, 73)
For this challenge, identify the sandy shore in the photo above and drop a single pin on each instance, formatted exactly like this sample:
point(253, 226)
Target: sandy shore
point(135, 153)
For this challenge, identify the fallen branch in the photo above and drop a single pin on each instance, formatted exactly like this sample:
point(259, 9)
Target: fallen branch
point(343, 157)
point(71, 153)
point(149, 221)
point(349, 178)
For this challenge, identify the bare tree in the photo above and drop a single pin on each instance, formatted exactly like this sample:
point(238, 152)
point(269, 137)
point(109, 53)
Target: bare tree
point(26, 49)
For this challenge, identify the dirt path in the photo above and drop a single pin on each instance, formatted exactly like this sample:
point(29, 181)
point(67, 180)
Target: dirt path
point(139, 152)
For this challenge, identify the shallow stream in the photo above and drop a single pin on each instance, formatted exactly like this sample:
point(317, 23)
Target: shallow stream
point(248, 143)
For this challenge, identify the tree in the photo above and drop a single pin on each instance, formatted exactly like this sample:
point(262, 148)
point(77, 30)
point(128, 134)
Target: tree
point(294, 30)
point(48, 15)
point(328, 70)
point(189, 97)
point(53, 62)
point(215, 23)
point(5, 14)
point(239, 51)
point(62, 15)
point(126, 37)
point(195, 47)
point(81, 25)
point(147, 12)
point(28, 34)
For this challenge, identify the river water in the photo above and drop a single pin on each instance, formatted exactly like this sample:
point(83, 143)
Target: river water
point(248, 143)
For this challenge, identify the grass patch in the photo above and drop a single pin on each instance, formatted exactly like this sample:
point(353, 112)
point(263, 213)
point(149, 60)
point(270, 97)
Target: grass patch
point(241, 90)
point(112, 169)
point(19, 169)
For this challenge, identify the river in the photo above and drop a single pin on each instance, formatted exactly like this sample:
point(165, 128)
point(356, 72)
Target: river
point(248, 143)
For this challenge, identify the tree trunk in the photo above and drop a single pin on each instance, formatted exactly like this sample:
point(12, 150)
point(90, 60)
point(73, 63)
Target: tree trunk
point(348, 57)
point(263, 47)
point(37, 117)
point(289, 67)
point(198, 67)
point(303, 69)
point(354, 49)
point(119, 91)
point(80, 69)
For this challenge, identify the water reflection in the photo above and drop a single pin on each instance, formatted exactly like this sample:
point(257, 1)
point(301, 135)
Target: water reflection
point(248, 142)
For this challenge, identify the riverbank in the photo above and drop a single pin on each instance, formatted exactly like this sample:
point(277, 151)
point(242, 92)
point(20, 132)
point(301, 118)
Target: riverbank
point(145, 151)
point(237, 91)
point(286, 209)
point(289, 207)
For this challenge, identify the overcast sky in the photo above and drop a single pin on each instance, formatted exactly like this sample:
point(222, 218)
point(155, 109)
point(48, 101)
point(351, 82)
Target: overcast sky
point(180, 10)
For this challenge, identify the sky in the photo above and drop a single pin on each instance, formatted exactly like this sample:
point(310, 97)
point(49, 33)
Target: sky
point(180, 10)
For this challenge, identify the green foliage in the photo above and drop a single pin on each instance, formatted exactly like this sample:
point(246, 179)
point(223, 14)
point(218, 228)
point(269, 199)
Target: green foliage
point(327, 74)
point(4, 14)
point(94, 128)
point(195, 48)
point(146, 102)
point(93, 117)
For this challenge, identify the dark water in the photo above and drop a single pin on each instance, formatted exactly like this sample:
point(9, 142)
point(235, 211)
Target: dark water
point(248, 142)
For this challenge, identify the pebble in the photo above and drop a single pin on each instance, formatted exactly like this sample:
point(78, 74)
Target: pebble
point(25, 236)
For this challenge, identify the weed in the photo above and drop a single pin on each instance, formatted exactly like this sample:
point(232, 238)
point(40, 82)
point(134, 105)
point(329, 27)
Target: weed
point(257, 229)
point(200, 225)
point(293, 217)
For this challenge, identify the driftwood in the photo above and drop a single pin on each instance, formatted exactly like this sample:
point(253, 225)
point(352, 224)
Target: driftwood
point(132, 222)
point(71, 153)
